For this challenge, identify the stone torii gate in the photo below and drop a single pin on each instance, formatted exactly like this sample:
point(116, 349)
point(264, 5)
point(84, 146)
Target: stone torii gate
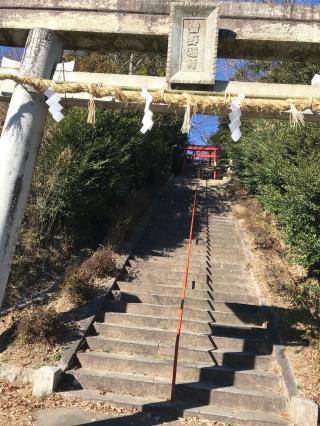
point(198, 31)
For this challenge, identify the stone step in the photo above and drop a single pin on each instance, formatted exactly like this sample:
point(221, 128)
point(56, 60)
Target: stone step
point(162, 274)
point(186, 372)
point(181, 253)
point(188, 354)
point(181, 247)
point(127, 383)
point(198, 249)
point(200, 219)
point(199, 239)
point(219, 296)
point(201, 282)
point(189, 323)
point(191, 302)
point(242, 312)
point(221, 242)
point(220, 356)
point(217, 283)
point(181, 261)
point(171, 412)
point(205, 220)
point(214, 413)
point(195, 290)
point(208, 267)
point(203, 392)
point(233, 397)
point(201, 226)
point(141, 253)
point(207, 275)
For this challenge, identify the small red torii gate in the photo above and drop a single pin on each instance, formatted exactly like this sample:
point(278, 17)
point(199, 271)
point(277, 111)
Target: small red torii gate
point(202, 151)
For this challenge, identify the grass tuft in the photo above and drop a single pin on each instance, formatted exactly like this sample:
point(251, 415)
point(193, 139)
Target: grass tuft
point(79, 283)
point(39, 325)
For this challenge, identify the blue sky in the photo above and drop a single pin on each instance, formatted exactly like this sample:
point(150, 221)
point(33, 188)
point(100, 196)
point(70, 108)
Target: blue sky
point(10, 52)
point(205, 125)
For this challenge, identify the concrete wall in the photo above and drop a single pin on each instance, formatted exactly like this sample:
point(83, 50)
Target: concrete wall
point(247, 30)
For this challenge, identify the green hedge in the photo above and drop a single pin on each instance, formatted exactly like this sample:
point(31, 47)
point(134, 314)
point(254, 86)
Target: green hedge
point(84, 171)
point(281, 167)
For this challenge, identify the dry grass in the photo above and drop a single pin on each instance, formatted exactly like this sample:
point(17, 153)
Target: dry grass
point(278, 281)
point(79, 285)
point(38, 263)
point(41, 325)
point(102, 264)
point(16, 351)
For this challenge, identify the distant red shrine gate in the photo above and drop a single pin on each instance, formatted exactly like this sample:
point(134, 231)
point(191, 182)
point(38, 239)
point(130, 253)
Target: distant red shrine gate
point(200, 151)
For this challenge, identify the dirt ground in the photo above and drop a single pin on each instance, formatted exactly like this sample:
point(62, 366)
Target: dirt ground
point(274, 276)
point(17, 352)
point(19, 408)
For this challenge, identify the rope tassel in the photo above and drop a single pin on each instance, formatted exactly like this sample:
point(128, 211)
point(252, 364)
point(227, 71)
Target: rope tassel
point(296, 117)
point(91, 112)
point(186, 127)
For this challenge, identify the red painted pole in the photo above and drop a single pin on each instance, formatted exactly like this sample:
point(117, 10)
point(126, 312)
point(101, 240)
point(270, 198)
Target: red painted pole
point(183, 295)
point(218, 158)
point(215, 164)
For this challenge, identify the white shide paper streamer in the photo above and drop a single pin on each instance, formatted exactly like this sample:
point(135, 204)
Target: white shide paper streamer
point(53, 103)
point(148, 114)
point(234, 117)
point(315, 80)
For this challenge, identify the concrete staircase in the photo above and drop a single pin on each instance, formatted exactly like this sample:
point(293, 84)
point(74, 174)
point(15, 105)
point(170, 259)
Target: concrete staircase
point(226, 369)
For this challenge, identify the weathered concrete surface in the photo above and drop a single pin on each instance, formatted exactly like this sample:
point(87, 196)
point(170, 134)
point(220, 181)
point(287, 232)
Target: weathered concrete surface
point(67, 417)
point(46, 380)
point(193, 42)
point(138, 82)
point(14, 374)
point(21, 135)
point(303, 412)
point(247, 30)
point(77, 416)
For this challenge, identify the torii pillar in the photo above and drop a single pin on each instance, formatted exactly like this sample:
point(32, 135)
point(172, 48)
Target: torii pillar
point(21, 136)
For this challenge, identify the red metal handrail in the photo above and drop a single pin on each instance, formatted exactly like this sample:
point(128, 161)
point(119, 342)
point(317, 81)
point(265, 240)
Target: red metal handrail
point(183, 294)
